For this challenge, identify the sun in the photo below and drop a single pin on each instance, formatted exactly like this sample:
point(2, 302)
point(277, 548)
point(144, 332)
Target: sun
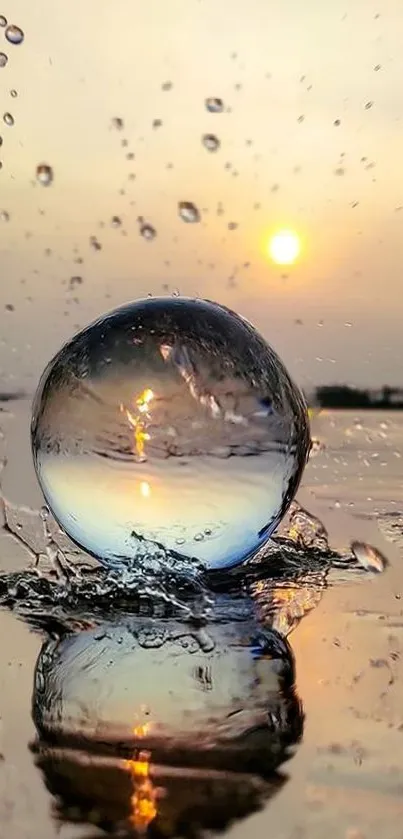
point(284, 247)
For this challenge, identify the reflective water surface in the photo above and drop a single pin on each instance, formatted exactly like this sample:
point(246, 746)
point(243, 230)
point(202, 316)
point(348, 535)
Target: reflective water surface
point(178, 715)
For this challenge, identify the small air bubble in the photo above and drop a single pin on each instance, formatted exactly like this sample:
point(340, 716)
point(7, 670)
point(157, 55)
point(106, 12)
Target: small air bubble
point(157, 123)
point(188, 212)
point(44, 513)
point(210, 142)
point(8, 119)
point(167, 86)
point(3, 21)
point(13, 93)
point(368, 105)
point(301, 118)
point(118, 123)
point(116, 221)
point(337, 122)
point(14, 34)
point(377, 67)
point(3, 59)
point(214, 105)
point(44, 174)
point(4, 215)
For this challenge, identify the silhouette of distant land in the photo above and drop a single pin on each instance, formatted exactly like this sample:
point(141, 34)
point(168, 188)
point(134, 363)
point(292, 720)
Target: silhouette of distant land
point(342, 396)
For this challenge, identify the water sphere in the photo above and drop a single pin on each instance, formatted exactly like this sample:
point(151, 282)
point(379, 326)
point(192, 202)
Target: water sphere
point(169, 421)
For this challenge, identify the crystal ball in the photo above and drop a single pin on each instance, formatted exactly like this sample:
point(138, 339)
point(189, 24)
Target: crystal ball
point(169, 421)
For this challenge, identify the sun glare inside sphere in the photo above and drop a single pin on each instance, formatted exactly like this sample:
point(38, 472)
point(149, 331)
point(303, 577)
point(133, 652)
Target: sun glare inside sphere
point(284, 247)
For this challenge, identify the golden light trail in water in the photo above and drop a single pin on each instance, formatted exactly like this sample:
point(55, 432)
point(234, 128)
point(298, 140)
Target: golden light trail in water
point(144, 797)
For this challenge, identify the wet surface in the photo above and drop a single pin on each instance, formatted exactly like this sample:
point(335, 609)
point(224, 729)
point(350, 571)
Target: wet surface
point(346, 776)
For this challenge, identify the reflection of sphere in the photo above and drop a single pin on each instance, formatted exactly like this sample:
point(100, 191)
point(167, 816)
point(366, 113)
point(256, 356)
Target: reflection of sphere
point(207, 710)
point(169, 420)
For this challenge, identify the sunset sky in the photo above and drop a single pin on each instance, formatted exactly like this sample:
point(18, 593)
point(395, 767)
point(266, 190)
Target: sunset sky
point(311, 139)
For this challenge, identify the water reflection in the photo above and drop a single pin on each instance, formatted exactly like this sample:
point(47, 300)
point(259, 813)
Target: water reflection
point(165, 726)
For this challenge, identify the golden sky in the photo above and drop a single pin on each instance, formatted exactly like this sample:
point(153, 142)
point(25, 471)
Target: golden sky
point(286, 72)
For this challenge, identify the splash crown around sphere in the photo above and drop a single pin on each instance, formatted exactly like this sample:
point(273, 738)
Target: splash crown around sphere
point(170, 421)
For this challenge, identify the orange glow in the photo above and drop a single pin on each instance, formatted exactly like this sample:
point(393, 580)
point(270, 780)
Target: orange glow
point(141, 730)
point(139, 424)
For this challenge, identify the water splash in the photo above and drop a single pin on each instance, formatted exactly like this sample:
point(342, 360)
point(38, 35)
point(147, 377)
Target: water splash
point(62, 584)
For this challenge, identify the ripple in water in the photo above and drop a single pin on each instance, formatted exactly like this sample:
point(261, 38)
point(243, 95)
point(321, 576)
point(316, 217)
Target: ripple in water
point(169, 426)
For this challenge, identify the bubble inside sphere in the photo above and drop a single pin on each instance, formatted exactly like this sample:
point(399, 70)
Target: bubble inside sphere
point(169, 420)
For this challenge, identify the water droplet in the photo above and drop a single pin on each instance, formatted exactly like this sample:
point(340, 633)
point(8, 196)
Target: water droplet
point(4, 215)
point(13, 93)
point(95, 244)
point(214, 105)
point(14, 34)
point(188, 212)
point(116, 221)
point(3, 59)
point(147, 231)
point(8, 119)
point(3, 21)
point(44, 174)
point(210, 142)
point(108, 469)
point(369, 557)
